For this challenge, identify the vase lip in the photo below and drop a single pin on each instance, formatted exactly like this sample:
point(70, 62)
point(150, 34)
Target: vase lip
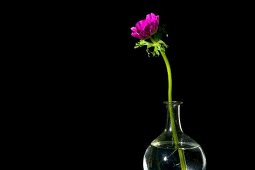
point(173, 102)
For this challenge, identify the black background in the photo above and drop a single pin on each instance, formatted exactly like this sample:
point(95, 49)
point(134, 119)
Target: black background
point(96, 101)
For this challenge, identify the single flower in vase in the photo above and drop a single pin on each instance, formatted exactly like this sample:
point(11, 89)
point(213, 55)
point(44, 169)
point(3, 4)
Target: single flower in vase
point(172, 150)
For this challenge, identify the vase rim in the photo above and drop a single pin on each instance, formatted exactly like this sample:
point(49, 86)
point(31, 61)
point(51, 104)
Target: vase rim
point(173, 102)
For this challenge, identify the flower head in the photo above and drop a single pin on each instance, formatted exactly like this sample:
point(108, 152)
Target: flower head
point(144, 29)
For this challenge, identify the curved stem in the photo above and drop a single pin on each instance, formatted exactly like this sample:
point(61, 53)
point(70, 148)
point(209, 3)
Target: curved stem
point(175, 137)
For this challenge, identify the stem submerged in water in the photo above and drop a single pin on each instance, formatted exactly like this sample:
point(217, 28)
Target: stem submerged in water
point(175, 137)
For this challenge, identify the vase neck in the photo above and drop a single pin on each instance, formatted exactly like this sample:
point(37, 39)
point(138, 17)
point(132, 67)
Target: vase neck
point(175, 107)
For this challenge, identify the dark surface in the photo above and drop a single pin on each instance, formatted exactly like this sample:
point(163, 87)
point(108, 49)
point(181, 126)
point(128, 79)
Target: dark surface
point(99, 101)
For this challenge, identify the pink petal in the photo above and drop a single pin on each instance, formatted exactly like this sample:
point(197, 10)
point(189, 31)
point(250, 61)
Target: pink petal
point(149, 17)
point(141, 24)
point(136, 35)
point(134, 29)
point(152, 17)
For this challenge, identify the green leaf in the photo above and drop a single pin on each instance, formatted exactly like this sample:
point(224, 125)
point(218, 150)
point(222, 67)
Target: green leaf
point(157, 47)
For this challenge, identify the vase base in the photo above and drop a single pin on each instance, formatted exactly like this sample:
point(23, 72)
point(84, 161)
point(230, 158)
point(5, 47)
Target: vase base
point(165, 157)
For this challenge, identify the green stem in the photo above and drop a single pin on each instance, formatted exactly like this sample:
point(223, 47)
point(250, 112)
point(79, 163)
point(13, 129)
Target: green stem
point(175, 137)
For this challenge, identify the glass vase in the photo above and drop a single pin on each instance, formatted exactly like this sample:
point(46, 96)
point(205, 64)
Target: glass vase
point(172, 149)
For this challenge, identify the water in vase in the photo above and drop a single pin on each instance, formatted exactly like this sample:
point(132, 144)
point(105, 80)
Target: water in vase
point(163, 156)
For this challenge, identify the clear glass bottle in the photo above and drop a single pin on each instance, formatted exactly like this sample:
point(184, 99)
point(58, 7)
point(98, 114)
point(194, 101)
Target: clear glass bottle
point(164, 154)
